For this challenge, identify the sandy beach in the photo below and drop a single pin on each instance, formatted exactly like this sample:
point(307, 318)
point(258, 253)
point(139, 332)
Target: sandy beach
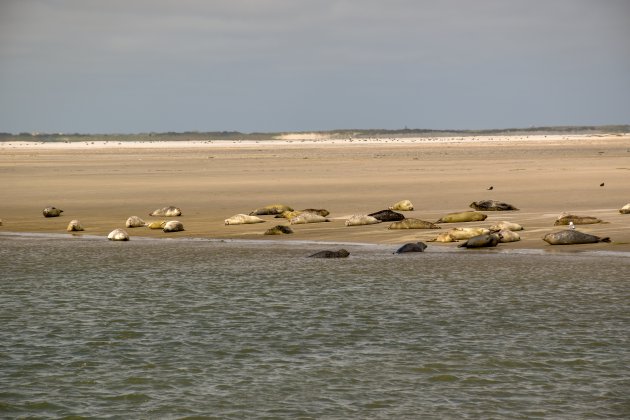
point(103, 183)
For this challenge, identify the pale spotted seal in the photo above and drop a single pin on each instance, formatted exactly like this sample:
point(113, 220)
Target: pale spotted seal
point(504, 225)
point(576, 220)
point(464, 216)
point(342, 253)
point(625, 209)
point(74, 226)
point(491, 205)
point(304, 218)
point(52, 212)
point(481, 241)
point(173, 226)
point(271, 209)
point(572, 237)
point(243, 219)
point(134, 222)
point(170, 211)
point(411, 247)
point(412, 223)
point(444, 237)
point(461, 233)
point(361, 219)
point(403, 205)
point(279, 230)
point(118, 235)
point(508, 236)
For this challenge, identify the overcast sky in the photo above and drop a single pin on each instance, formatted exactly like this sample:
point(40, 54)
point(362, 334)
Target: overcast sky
point(128, 66)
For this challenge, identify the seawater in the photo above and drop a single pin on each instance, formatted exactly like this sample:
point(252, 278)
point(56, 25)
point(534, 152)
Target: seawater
point(194, 328)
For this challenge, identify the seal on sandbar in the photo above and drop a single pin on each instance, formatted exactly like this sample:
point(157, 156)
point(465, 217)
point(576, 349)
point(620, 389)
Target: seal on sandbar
point(491, 205)
point(156, 225)
point(403, 205)
point(361, 219)
point(577, 220)
point(481, 241)
point(170, 211)
point(271, 209)
point(342, 253)
point(74, 226)
point(118, 235)
point(52, 212)
point(411, 247)
point(173, 226)
point(243, 219)
point(304, 218)
point(504, 225)
point(625, 209)
point(508, 236)
point(387, 216)
point(279, 230)
point(572, 237)
point(135, 221)
point(412, 223)
point(444, 237)
point(464, 216)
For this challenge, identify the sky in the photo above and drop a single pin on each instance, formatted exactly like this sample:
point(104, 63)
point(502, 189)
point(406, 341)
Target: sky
point(137, 66)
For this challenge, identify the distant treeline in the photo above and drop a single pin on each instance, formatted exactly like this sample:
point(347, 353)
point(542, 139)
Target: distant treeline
point(344, 133)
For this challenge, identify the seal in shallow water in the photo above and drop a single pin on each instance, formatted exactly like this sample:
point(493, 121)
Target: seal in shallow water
point(481, 241)
point(342, 253)
point(118, 235)
point(464, 216)
point(572, 237)
point(412, 223)
point(387, 216)
point(576, 220)
point(491, 205)
point(411, 247)
point(170, 211)
point(52, 212)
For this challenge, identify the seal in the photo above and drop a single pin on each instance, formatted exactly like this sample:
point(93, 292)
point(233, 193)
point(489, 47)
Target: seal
point(481, 241)
point(321, 212)
point(491, 205)
point(412, 223)
point(134, 222)
point(403, 205)
point(461, 233)
point(74, 226)
point(625, 209)
point(566, 219)
point(173, 226)
point(444, 237)
point(572, 237)
point(243, 219)
point(279, 230)
point(271, 209)
point(342, 253)
point(411, 247)
point(504, 225)
point(156, 225)
point(118, 235)
point(304, 218)
point(461, 217)
point(52, 212)
point(170, 211)
point(361, 219)
point(508, 236)
point(387, 216)
point(289, 214)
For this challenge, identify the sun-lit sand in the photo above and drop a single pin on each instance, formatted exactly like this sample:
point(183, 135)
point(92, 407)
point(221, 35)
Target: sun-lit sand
point(101, 184)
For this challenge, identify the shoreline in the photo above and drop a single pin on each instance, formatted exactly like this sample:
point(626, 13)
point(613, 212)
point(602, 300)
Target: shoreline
point(102, 185)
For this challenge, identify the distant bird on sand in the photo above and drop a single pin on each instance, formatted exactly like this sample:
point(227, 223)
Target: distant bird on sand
point(601, 185)
point(490, 187)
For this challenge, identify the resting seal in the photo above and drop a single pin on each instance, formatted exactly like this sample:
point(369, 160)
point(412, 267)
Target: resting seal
point(572, 237)
point(461, 233)
point(304, 218)
point(444, 237)
point(279, 230)
point(361, 219)
point(156, 225)
point(625, 209)
point(135, 221)
point(342, 253)
point(508, 236)
point(387, 216)
point(491, 205)
point(170, 211)
point(270, 210)
point(413, 224)
point(506, 226)
point(481, 241)
point(403, 205)
point(243, 219)
point(577, 220)
point(118, 235)
point(173, 226)
point(464, 216)
point(74, 226)
point(411, 247)
point(52, 212)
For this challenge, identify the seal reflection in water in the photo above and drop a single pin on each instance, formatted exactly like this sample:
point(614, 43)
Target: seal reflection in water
point(342, 253)
point(411, 247)
point(572, 237)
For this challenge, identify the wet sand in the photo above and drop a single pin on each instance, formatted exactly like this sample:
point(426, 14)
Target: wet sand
point(103, 183)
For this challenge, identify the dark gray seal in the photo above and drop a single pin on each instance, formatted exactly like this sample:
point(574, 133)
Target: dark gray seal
point(411, 247)
point(572, 237)
point(492, 205)
point(342, 253)
point(52, 212)
point(278, 230)
point(387, 216)
point(481, 241)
